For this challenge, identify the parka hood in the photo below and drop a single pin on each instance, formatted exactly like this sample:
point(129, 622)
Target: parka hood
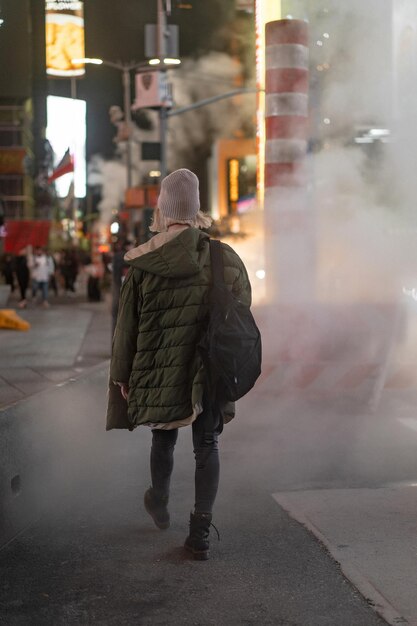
point(173, 254)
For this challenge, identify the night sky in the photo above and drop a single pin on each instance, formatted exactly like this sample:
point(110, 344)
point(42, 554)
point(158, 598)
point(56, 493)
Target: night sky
point(115, 31)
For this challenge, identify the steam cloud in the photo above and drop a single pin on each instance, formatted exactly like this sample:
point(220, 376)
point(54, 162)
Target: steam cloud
point(364, 194)
point(214, 74)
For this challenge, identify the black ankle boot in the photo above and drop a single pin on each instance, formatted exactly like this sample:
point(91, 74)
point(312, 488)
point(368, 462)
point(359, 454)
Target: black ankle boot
point(197, 541)
point(156, 506)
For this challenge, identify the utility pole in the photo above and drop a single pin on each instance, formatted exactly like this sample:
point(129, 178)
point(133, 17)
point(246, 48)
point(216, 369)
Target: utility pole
point(161, 50)
point(161, 33)
point(163, 127)
point(128, 122)
point(125, 69)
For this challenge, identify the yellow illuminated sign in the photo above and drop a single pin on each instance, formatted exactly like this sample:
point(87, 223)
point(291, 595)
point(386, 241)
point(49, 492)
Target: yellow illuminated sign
point(233, 180)
point(64, 29)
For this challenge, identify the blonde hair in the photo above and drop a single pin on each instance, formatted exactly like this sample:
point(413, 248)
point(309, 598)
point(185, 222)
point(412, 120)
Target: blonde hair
point(160, 223)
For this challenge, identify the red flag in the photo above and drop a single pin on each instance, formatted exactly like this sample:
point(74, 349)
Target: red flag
point(65, 166)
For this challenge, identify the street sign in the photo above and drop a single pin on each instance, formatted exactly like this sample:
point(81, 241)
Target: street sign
point(152, 90)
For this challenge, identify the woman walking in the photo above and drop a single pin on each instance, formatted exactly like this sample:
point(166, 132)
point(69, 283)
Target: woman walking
point(155, 362)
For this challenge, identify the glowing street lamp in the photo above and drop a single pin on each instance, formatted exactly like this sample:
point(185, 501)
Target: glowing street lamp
point(167, 61)
point(172, 61)
point(86, 60)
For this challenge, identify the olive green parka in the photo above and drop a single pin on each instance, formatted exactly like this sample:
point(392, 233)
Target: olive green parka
point(162, 316)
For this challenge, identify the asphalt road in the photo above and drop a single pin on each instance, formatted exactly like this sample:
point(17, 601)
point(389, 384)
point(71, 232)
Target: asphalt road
point(94, 556)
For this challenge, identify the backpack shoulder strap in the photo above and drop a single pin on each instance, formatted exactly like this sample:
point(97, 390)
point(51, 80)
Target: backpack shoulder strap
point(216, 259)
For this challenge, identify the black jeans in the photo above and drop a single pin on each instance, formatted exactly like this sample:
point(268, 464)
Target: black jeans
point(206, 452)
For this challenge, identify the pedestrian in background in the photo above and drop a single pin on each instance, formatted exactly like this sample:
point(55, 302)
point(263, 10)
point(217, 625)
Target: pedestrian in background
point(94, 273)
point(41, 268)
point(69, 271)
point(8, 271)
point(162, 317)
point(53, 284)
point(22, 275)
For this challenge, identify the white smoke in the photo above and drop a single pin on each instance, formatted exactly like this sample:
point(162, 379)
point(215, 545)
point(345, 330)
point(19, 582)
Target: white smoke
point(351, 60)
point(363, 76)
point(212, 75)
point(361, 72)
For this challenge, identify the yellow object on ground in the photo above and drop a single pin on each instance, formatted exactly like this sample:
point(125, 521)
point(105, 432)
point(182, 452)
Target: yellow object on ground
point(10, 319)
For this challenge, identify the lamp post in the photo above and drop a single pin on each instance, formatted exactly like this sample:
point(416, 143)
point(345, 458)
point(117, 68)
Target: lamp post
point(125, 69)
point(164, 62)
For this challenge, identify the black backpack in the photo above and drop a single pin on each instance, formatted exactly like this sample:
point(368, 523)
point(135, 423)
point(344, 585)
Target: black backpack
point(231, 346)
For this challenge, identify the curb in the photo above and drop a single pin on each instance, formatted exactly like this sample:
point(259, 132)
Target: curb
point(374, 598)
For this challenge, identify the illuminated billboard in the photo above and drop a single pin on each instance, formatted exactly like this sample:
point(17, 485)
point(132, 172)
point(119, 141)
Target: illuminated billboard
point(66, 130)
point(64, 30)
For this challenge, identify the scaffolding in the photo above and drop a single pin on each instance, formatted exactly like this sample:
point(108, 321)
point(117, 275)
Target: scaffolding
point(16, 156)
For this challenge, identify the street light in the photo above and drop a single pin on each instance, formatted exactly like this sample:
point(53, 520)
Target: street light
point(167, 61)
point(125, 68)
point(163, 64)
point(86, 60)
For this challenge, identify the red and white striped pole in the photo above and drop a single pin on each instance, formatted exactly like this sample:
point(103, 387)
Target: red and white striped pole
point(288, 221)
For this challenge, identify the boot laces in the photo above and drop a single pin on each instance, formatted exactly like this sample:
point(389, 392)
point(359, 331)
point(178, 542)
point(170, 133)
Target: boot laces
point(218, 534)
point(215, 528)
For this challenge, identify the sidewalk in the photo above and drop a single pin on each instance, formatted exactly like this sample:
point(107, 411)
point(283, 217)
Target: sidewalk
point(371, 533)
point(63, 341)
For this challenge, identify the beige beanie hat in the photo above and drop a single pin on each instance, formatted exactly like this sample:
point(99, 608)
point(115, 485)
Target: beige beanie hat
point(179, 201)
point(179, 196)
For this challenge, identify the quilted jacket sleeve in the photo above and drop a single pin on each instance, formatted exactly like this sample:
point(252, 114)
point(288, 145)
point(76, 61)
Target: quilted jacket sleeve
point(125, 335)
